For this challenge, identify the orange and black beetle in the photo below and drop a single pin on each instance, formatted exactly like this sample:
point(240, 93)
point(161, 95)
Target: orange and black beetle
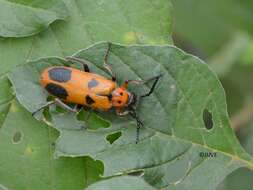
point(70, 85)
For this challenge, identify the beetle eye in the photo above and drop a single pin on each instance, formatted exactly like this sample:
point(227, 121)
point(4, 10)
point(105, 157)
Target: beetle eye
point(119, 102)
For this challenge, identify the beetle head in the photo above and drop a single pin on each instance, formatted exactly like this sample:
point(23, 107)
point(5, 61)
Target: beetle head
point(120, 97)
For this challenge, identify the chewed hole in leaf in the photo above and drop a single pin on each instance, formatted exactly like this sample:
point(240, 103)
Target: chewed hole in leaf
point(60, 109)
point(113, 137)
point(92, 120)
point(208, 119)
point(93, 167)
point(47, 115)
point(136, 173)
point(46, 111)
point(17, 137)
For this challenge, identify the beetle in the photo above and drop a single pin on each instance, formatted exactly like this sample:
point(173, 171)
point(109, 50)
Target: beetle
point(84, 88)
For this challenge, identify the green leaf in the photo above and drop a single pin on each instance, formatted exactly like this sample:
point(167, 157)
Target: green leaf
point(241, 178)
point(90, 21)
point(5, 98)
point(174, 135)
point(26, 156)
point(93, 171)
point(209, 24)
point(19, 18)
point(124, 183)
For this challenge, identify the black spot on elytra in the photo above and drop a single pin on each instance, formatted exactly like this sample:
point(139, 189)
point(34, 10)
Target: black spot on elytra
point(208, 119)
point(57, 90)
point(92, 83)
point(109, 97)
point(89, 100)
point(60, 74)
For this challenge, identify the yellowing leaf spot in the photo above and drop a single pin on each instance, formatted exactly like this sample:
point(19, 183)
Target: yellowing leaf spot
point(152, 42)
point(28, 151)
point(13, 108)
point(172, 87)
point(162, 41)
point(130, 37)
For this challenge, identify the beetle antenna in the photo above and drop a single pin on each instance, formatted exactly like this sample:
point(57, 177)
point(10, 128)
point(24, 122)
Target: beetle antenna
point(156, 78)
point(138, 121)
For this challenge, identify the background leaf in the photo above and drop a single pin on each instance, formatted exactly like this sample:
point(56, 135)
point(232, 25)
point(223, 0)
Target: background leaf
point(209, 24)
point(20, 18)
point(28, 155)
point(90, 21)
point(124, 183)
point(170, 148)
point(242, 177)
point(5, 97)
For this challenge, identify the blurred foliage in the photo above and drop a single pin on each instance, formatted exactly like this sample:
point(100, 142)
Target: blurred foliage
point(241, 178)
point(221, 32)
point(209, 24)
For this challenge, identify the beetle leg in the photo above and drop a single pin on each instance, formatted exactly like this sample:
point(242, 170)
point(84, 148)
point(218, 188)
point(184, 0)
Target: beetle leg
point(106, 65)
point(81, 61)
point(119, 113)
point(78, 107)
point(134, 115)
point(43, 107)
point(88, 114)
point(60, 103)
point(65, 106)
